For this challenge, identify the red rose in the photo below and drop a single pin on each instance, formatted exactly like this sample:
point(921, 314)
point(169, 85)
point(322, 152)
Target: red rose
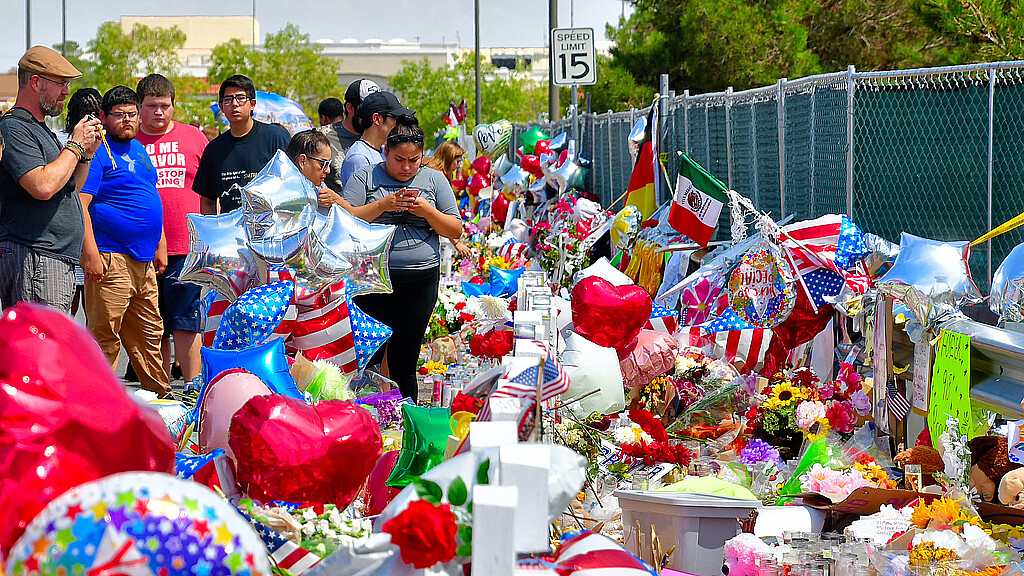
point(494, 344)
point(465, 403)
point(424, 533)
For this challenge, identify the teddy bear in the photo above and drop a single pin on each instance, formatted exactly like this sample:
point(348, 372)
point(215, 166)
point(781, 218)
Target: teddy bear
point(741, 554)
point(1011, 488)
point(989, 464)
point(926, 456)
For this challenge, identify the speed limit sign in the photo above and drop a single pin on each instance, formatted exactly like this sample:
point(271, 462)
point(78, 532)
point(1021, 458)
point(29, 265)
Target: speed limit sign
point(573, 58)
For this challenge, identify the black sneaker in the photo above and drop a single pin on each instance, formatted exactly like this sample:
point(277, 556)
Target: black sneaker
point(176, 372)
point(130, 375)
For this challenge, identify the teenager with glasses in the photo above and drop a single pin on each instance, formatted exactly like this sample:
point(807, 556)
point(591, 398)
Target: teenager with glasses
point(424, 210)
point(237, 155)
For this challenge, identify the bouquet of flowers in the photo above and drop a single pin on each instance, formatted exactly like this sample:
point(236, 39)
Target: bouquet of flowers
point(325, 528)
point(650, 443)
point(450, 313)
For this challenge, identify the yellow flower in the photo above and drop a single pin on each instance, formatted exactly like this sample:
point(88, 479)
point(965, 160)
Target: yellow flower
point(782, 395)
point(926, 553)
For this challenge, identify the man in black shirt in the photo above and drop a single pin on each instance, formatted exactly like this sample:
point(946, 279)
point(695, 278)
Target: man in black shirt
point(237, 155)
point(41, 225)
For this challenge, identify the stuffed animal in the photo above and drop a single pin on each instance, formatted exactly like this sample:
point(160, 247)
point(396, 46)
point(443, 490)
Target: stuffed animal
point(927, 457)
point(1011, 488)
point(989, 463)
point(741, 553)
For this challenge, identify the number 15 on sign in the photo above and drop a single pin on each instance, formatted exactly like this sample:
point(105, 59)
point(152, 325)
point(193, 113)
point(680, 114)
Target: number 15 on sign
point(573, 57)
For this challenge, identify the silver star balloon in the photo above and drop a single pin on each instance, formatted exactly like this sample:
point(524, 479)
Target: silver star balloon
point(1006, 296)
point(218, 255)
point(931, 277)
point(338, 245)
point(567, 176)
point(516, 180)
point(277, 194)
point(501, 165)
point(285, 238)
point(558, 143)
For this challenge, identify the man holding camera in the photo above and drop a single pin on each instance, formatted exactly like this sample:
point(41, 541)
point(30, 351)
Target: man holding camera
point(41, 226)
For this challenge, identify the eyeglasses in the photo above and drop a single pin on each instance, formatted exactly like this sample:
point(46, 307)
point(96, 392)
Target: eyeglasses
point(405, 139)
point(65, 84)
point(237, 100)
point(123, 115)
point(325, 165)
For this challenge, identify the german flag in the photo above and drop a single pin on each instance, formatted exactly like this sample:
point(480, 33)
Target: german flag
point(642, 190)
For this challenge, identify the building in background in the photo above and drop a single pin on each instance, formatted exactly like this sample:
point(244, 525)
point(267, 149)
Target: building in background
point(378, 60)
point(202, 33)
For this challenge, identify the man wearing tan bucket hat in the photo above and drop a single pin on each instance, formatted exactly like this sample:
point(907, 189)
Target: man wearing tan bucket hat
point(41, 225)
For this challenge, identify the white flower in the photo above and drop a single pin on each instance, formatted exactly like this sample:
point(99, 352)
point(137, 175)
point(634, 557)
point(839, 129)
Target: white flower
point(684, 364)
point(308, 514)
point(632, 433)
point(308, 529)
point(807, 413)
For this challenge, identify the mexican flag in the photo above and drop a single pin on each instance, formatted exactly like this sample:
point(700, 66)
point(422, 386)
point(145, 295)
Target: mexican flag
point(697, 203)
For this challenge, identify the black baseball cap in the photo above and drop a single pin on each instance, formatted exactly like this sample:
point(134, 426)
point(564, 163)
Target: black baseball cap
point(382, 103)
point(359, 90)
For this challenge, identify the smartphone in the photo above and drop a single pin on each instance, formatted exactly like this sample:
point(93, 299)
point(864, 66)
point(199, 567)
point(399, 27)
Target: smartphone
point(411, 192)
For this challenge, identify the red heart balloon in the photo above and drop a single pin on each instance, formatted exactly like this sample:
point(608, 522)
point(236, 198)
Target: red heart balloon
point(499, 208)
point(482, 165)
point(65, 418)
point(378, 494)
point(477, 183)
point(531, 164)
point(609, 315)
point(542, 147)
point(288, 450)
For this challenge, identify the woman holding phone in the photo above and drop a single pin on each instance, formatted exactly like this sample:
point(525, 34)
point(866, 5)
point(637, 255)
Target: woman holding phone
point(424, 209)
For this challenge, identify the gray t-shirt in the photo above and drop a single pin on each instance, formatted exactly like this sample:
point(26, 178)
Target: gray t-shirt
point(359, 156)
point(54, 227)
point(415, 246)
point(341, 140)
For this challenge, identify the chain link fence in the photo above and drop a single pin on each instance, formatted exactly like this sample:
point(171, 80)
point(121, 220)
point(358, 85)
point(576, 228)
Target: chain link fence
point(936, 152)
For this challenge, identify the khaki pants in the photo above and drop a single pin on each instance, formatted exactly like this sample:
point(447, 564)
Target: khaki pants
point(121, 308)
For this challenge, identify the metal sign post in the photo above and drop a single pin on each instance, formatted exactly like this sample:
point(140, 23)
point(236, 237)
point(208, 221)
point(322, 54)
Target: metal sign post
point(573, 64)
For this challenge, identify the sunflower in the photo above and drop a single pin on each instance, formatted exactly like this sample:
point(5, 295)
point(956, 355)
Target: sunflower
point(782, 395)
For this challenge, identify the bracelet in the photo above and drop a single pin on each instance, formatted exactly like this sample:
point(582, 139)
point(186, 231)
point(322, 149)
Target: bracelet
point(76, 149)
point(86, 159)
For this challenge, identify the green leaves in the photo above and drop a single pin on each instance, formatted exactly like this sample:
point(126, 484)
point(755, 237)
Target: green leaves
point(457, 493)
point(429, 491)
point(482, 476)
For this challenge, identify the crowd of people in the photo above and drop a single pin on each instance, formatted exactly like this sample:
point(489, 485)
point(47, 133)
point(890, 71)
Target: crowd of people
point(100, 212)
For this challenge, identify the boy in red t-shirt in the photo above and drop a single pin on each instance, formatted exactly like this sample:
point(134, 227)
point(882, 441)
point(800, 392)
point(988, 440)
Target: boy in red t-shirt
point(175, 150)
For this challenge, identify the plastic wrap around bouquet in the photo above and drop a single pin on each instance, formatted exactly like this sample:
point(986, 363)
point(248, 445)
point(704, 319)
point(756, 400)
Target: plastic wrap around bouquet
point(274, 109)
point(282, 267)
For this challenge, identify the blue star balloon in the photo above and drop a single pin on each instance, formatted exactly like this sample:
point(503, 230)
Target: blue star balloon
point(252, 318)
point(505, 283)
point(470, 289)
point(268, 362)
point(368, 332)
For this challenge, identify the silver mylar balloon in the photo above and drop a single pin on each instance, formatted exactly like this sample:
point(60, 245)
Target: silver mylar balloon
point(567, 176)
point(501, 165)
point(883, 254)
point(931, 277)
point(539, 190)
point(218, 256)
point(278, 193)
point(1006, 297)
point(583, 162)
point(284, 238)
point(341, 245)
point(636, 134)
point(558, 143)
point(516, 180)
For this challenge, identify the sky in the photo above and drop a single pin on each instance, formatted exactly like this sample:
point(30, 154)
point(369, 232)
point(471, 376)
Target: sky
point(503, 23)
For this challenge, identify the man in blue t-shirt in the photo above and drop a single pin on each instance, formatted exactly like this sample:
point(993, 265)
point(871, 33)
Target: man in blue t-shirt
point(124, 247)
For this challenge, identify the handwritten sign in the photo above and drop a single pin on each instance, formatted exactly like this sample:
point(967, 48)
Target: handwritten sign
point(922, 371)
point(951, 384)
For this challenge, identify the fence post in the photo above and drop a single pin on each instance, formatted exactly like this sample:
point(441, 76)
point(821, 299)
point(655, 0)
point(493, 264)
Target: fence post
point(611, 164)
point(728, 136)
point(991, 117)
point(782, 145)
point(707, 137)
point(754, 157)
point(851, 86)
point(686, 120)
point(812, 213)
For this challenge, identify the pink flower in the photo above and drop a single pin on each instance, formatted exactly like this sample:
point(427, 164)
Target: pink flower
point(826, 391)
point(861, 403)
point(703, 300)
point(807, 413)
point(840, 417)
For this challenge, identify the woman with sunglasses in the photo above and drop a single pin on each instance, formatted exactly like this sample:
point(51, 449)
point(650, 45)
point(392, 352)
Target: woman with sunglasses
point(425, 210)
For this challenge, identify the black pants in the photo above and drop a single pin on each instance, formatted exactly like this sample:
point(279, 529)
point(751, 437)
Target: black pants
point(407, 311)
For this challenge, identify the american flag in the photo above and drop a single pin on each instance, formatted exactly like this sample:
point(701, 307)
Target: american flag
point(895, 402)
point(252, 318)
point(832, 241)
point(822, 285)
point(211, 310)
point(513, 251)
point(587, 552)
point(745, 349)
point(522, 383)
point(663, 319)
point(727, 321)
point(214, 469)
point(324, 332)
point(286, 554)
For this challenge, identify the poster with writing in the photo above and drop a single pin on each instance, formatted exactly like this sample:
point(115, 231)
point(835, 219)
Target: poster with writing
point(951, 384)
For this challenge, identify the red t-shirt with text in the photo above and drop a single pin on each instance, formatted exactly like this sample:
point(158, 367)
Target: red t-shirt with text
point(176, 157)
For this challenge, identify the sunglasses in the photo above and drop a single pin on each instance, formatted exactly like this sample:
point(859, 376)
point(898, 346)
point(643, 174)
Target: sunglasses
point(325, 165)
point(405, 139)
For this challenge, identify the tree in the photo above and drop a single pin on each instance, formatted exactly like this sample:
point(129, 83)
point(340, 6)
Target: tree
point(122, 58)
point(428, 90)
point(288, 64)
point(616, 89)
point(995, 28)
